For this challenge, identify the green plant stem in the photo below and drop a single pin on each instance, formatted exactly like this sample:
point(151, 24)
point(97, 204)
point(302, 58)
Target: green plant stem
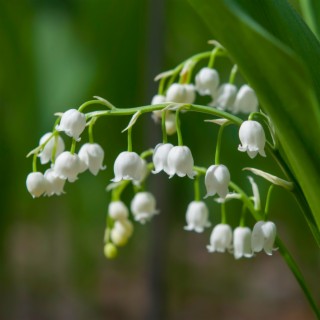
point(130, 139)
point(73, 146)
point(179, 134)
point(197, 188)
point(161, 86)
point(90, 102)
point(223, 213)
point(163, 127)
point(243, 216)
point(266, 209)
point(213, 57)
point(34, 162)
point(54, 149)
point(219, 140)
point(233, 74)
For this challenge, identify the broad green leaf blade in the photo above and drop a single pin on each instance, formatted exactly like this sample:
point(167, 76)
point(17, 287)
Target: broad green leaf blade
point(311, 14)
point(284, 87)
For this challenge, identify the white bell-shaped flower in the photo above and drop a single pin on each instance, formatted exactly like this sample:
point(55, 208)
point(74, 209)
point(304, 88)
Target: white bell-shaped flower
point(160, 157)
point(242, 243)
point(220, 239)
point(36, 184)
point(217, 180)
point(181, 93)
point(246, 100)
point(252, 138)
point(197, 216)
point(67, 166)
point(180, 162)
point(128, 166)
point(46, 154)
point(225, 97)
point(72, 123)
point(170, 123)
point(144, 173)
point(157, 99)
point(263, 236)
point(118, 210)
point(207, 81)
point(143, 206)
point(54, 184)
point(121, 232)
point(91, 155)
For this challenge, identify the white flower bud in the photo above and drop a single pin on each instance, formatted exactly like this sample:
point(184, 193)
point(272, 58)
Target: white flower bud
point(36, 184)
point(242, 243)
point(128, 166)
point(180, 162)
point(207, 81)
point(46, 154)
point(225, 97)
point(72, 123)
point(181, 93)
point(67, 166)
point(143, 206)
point(217, 180)
point(91, 155)
point(118, 210)
point(246, 100)
point(197, 216)
point(160, 157)
point(170, 123)
point(121, 232)
point(252, 138)
point(157, 99)
point(54, 184)
point(220, 239)
point(263, 236)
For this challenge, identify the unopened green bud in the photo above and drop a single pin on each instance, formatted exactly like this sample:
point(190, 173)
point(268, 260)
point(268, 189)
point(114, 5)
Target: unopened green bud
point(110, 251)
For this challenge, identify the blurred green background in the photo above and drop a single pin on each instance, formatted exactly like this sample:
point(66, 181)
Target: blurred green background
point(54, 55)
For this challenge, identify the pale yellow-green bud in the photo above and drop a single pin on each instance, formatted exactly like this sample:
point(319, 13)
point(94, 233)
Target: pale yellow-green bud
point(110, 251)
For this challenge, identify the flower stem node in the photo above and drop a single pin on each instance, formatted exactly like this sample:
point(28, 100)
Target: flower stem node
point(72, 123)
point(181, 93)
point(197, 216)
point(54, 184)
point(242, 243)
point(110, 251)
point(225, 97)
point(91, 155)
point(55, 142)
point(121, 232)
point(217, 180)
point(36, 184)
point(252, 138)
point(160, 157)
point(68, 166)
point(207, 81)
point(246, 100)
point(263, 237)
point(143, 207)
point(180, 162)
point(220, 239)
point(128, 166)
point(118, 210)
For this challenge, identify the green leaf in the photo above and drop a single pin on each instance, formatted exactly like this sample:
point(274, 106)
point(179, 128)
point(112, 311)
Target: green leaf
point(311, 13)
point(280, 70)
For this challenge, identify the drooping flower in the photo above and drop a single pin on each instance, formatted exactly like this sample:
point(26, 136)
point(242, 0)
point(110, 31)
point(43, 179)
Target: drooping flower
point(197, 216)
point(170, 123)
point(157, 99)
point(181, 93)
point(121, 232)
point(144, 173)
point(220, 239)
point(180, 162)
point(46, 154)
point(91, 155)
point(72, 123)
point(242, 243)
point(54, 184)
point(263, 236)
point(246, 100)
point(160, 157)
point(143, 206)
point(128, 166)
point(68, 166)
point(225, 97)
point(36, 184)
point(207, 81)
point(252, 138)
point(118, 210)
point(217, 180)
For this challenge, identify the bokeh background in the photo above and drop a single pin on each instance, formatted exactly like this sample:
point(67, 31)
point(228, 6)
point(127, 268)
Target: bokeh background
point(54, 55)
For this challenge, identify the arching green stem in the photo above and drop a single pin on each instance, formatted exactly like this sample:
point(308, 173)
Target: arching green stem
point(266, 208)
point(213, 57)
point(233, 74)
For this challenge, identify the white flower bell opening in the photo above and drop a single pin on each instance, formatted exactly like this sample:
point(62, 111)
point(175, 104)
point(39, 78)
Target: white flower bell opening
point(217, 180)
point(246, 100)
point(118, 210)
point(72, 123)
point(67, 166)
point(36, 184)
point(180, 162)
point(207, 81)
point(252, 138)
point(54, 184)
point(181, 93)
point(197, 216)
point(46, 154)
point(160, 157)
point(92, 155)
point(242, 243)
point(128, 166)
point(263, 237)
point(143, 206)
point(220, 239)
point(225, 97)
